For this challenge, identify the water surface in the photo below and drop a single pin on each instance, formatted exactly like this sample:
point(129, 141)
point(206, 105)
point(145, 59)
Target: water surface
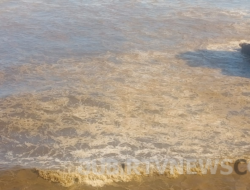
point(122, 79)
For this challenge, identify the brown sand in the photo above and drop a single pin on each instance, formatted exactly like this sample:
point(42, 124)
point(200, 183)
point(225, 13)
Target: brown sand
point(28, 179)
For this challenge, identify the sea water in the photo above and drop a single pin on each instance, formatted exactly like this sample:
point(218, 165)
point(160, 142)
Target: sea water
point(139, 79)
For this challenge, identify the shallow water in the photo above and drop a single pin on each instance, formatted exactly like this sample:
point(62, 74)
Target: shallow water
point(122, 79)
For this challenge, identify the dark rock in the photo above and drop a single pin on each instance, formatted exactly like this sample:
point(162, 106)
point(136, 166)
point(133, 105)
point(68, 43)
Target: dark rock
point(245, 48)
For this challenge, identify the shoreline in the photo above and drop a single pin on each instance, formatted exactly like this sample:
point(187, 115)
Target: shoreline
point(21, 178)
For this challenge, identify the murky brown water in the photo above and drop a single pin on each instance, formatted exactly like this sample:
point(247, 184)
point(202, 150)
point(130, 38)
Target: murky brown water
point(122, 79)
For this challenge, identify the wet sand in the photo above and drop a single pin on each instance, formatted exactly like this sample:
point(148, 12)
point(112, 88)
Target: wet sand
point(29, 179)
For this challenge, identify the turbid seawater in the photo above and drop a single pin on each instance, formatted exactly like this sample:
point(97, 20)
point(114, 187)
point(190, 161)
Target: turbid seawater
point(140, 79)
